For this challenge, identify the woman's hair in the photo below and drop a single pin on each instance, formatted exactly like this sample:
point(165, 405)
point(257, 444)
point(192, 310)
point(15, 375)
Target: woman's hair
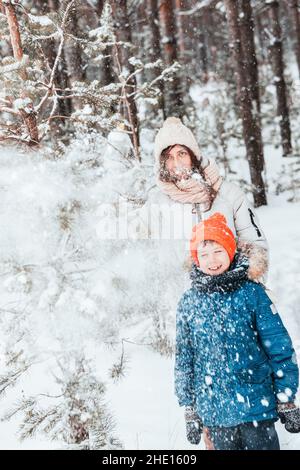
point(165, 175)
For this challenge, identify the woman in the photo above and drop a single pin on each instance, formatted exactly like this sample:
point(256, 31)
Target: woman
point(185, 177)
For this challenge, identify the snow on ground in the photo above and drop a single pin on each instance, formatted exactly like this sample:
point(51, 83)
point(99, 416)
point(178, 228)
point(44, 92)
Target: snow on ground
point(145, 407)
point(143, 402)
point(147, 410)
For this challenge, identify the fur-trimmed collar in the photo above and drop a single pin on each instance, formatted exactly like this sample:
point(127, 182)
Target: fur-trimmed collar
point(228, 281)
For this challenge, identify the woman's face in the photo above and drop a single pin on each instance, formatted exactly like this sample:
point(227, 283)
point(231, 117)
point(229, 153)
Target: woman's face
point(178, 162)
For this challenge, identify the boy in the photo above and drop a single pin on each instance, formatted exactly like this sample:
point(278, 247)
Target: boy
point(235, 366)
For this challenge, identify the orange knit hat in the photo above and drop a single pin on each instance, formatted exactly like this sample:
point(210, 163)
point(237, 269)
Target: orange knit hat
point(214, 228)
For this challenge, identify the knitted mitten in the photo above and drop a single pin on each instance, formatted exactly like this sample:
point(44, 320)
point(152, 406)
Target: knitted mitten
point(194, 425)
point(289, 415)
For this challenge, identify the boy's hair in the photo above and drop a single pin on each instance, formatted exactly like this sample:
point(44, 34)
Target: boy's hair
point(207, 242)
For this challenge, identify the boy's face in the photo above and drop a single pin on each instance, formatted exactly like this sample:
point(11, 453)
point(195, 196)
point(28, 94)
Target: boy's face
point(213, 258)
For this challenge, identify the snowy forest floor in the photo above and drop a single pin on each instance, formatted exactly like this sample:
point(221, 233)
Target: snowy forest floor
point(148, 414)
point(143, 402)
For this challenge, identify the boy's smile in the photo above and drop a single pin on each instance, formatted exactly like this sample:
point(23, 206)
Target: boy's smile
point(213, 258)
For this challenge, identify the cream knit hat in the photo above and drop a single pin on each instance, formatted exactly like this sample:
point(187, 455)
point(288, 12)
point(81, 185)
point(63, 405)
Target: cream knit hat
point(174, 132)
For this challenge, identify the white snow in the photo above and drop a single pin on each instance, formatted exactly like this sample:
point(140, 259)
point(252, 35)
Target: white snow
point(264, 402)
point(146, 411)
point(76, 291)
point(208, 380)
point(240, 398)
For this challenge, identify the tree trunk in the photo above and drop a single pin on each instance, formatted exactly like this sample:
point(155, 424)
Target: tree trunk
point(251, 128)
point(246, 25)
point(72, 51)
point(181, 5)
point(186, 45)
point(259, 23)
point(154, 50)
point(28, 114)
point(173, 93)
point(294, 9)
point(249, 53)
point(200, 45)
point(64, 106)
point(61, 76)
point(208, 21)
point(276, 57)
point(123, 34)
point(106, 73)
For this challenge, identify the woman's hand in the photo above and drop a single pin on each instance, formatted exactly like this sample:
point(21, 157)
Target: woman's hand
point(207, 440)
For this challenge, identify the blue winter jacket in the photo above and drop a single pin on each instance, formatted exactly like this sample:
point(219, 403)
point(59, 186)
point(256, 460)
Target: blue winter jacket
point(234, 358)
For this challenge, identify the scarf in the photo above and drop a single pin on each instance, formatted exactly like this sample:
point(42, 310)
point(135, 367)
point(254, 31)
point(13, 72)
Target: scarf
point(228, 281)
point(202, 191)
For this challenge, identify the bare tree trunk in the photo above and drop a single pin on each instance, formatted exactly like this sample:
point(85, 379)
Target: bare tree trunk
point(250, 123)
point(50, 50)
point(294, 9)
point(207, 17)
point(123, 34)
point(173, 94)
point(181, 28)
point(28, 114)
point(181, 43)
point(201, 46)
point(154, 50)
point(276, 56)
point(186, 51)
point(203, 42)
point(259, 23)
point(72, 50)
point(106, 75)
point(61, 77)
point(61, 81)
point(249, 53)
point(246, 25)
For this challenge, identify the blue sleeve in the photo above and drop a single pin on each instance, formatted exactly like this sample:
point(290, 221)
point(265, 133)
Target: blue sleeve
point(278, 346)
point(184, 358)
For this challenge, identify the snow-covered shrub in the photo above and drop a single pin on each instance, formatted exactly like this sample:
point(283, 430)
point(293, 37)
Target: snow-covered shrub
point(66, 285)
